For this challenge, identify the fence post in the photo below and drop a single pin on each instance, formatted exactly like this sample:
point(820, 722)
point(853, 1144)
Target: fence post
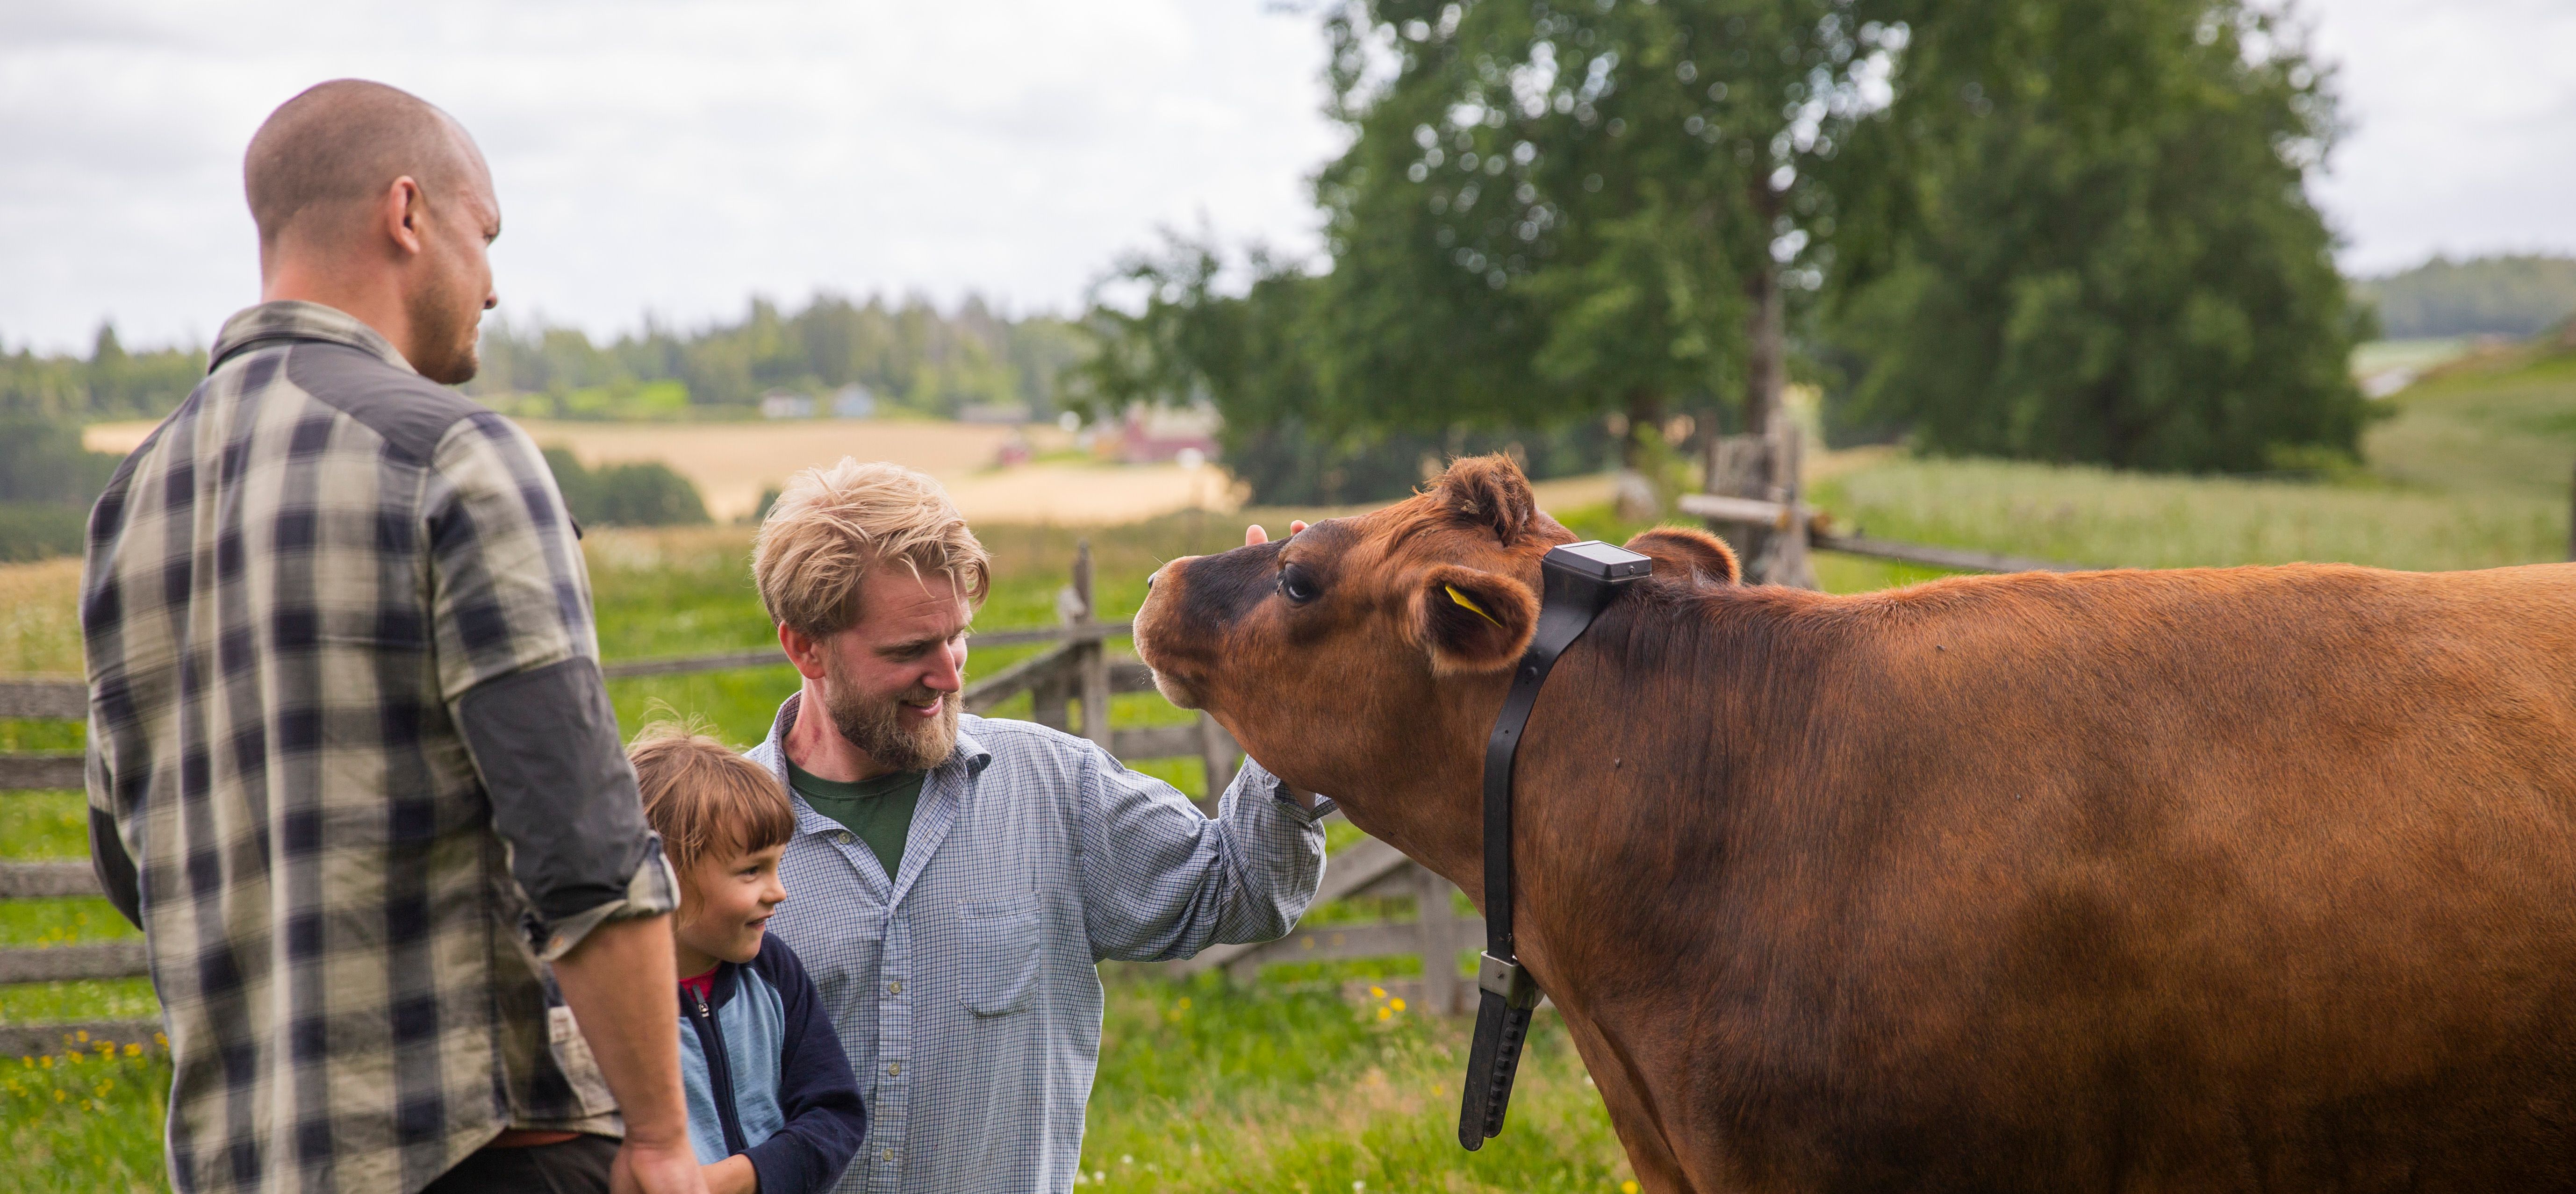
point(1439, 924)
point(1050, 702)
point(1740, 466)
point(1090, 659)
point(1788, 562)
point(1218, 754)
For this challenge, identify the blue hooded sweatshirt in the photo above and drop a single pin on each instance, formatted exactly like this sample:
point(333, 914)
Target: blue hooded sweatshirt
point(766, 1076)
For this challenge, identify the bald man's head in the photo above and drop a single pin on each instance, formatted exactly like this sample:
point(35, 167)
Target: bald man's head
point(324, 157)
point(372, 202)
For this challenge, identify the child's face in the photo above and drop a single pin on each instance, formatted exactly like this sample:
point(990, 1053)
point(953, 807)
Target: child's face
point(730, 897)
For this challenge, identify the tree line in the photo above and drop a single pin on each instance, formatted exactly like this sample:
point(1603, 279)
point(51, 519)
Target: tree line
point(2508, 295)
point(909, 355)
point(2029, 228)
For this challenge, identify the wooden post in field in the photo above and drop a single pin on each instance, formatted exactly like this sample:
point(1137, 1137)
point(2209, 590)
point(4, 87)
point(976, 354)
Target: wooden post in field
point(1216, 750)
point(1441, 987)
point(1740, 466)
point(1788, 562)
point(1051, 702)
point(1090, 659)
point(1767, 468)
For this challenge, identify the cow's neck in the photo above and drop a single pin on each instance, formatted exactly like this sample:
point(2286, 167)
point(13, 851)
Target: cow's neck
point(1645, 759)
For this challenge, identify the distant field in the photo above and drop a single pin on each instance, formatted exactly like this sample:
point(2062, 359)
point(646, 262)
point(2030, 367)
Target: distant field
point(2497, 422)
point(2094, 516)
point(732, 463)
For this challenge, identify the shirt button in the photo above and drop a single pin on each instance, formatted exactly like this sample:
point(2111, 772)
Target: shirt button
point(842, 837)
point(894, 1069)
point(887, 1155)
point(895, 987)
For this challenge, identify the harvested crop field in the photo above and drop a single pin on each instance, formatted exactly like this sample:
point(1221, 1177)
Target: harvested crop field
point(732, 463)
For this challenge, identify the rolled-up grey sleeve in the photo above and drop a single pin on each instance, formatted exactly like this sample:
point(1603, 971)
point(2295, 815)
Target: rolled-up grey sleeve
point(1163, 881)
point(564, 801)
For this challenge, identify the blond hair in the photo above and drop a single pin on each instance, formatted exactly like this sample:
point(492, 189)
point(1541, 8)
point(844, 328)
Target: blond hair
point(831, 524)
point(705, 800)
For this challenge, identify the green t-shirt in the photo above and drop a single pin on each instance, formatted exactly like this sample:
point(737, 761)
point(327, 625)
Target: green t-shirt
point(878, 810)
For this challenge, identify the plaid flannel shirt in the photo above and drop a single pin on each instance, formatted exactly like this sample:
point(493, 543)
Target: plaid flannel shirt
point(351, 766)
point(965, 988)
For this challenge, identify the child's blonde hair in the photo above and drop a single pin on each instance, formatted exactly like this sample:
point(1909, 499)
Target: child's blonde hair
point(705, 800)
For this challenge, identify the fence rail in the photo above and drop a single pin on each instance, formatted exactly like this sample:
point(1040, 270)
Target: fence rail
point(1786, 518)
point(45, 698)
point(26, 1040)
point(46, 880)
point(40, 771)
point(66, 963)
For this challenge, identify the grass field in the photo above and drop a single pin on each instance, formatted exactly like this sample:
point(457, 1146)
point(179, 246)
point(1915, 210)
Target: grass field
point(1288, 1085)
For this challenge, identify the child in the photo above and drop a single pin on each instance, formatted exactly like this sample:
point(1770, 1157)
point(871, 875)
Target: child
point(772, 1104)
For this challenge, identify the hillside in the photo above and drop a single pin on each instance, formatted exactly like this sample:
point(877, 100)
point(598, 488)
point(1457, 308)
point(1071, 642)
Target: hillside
point(2498, 422)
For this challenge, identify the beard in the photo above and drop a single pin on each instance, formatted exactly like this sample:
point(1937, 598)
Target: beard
point(892, 735)
point(445, 318)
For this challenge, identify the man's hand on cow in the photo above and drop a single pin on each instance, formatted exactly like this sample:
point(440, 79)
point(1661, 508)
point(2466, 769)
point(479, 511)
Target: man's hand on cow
point(1254, 536)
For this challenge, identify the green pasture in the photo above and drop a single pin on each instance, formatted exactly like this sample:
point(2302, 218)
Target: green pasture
point(1305, 1082)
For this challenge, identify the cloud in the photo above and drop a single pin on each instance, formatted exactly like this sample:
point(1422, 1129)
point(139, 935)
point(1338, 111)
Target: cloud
point(2464, 128)
point(679, 156)
point(673, 157)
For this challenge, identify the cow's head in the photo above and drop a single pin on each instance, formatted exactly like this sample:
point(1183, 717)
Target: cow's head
point(1367, 655)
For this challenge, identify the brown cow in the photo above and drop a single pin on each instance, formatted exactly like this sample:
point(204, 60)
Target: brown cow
point(2240, 879)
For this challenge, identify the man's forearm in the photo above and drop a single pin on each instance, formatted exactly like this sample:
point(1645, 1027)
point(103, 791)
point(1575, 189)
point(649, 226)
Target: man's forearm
point(619, 983)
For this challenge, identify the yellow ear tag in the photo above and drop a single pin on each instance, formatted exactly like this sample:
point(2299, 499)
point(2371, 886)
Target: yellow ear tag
point(1461, 598)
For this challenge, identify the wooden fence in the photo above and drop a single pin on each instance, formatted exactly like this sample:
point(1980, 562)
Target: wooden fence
point(1077, 667)
point(1755, 501)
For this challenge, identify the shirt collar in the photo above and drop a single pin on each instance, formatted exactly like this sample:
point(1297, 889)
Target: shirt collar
point(294, 319)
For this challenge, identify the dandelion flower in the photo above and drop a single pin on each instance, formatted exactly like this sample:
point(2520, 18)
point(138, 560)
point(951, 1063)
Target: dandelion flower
point(1384, 1014)
point(1628, 1187)
point(1397, 1005)
point(1377, 992)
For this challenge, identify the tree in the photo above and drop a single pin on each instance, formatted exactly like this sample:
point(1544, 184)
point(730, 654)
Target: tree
point(1558, 210)
point(2102, 251)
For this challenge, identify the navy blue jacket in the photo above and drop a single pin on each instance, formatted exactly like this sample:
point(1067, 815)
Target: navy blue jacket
point(766, 1076)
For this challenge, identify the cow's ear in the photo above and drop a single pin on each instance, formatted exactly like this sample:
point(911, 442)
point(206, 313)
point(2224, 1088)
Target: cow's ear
point(1473, 621)
point(1490, 493)
point(1688, 554)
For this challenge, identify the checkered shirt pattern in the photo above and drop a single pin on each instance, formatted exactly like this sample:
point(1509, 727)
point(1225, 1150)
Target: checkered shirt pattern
point(965, 989)
point(286, 593)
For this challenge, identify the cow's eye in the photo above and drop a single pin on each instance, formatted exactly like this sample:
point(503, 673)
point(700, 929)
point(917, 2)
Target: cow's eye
point(1297, 585)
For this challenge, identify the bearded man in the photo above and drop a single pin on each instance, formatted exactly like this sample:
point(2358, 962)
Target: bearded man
point(954, 880)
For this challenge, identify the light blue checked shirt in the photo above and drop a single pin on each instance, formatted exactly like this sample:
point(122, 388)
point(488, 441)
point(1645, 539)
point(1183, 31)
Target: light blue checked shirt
point(965, 989)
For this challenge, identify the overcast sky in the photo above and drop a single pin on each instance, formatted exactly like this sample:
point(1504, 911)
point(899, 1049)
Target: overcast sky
point(678, 156)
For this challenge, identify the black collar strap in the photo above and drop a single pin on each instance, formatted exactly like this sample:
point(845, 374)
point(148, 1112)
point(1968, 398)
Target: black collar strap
point(1579, 580)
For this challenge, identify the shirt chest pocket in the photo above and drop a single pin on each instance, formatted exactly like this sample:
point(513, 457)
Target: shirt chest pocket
point(1002, 955)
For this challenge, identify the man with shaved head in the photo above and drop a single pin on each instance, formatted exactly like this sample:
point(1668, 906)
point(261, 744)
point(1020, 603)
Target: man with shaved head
point(351, 767)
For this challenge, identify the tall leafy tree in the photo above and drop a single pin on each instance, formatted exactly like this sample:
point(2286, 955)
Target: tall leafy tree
point(1556, 208)
point(2097, 246)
